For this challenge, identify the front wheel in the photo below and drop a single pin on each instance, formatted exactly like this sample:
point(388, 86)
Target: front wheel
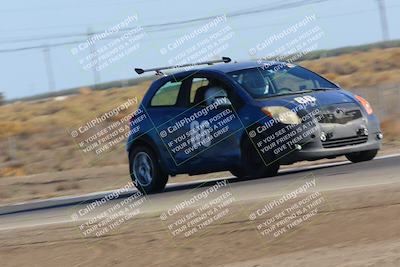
point(362, 156)
point(146, 172)
point(252, 165)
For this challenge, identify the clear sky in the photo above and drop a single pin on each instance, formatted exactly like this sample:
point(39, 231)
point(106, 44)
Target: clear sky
point(44, 22)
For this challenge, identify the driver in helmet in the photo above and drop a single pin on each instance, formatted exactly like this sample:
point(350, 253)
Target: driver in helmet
point(214, 92)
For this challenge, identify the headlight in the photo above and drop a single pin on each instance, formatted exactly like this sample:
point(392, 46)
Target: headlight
point(365, 104)
point(282, 114)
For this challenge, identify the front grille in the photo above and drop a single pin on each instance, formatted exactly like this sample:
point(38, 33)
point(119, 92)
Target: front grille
point(347, 141)
point(340, 113)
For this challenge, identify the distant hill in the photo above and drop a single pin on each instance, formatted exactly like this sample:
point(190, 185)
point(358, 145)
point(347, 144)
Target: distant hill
point(350, 49)
point(315, 55)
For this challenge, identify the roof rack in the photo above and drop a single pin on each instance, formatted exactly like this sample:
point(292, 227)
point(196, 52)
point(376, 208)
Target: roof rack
point(159, 72)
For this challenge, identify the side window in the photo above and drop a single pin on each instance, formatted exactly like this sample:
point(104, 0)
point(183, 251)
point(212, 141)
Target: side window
point(198, 85)
point(206, 91)
point(167, 95)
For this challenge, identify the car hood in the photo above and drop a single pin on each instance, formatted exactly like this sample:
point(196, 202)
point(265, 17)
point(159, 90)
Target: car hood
point(323, 98)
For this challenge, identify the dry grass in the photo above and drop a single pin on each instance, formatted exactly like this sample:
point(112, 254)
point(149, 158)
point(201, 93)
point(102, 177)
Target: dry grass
point(391, 129)
point(67, 186)
point(12, 171)
point(35, 133)
point(360, 69)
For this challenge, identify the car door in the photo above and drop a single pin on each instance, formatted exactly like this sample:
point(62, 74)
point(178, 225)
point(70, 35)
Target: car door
point(164, 108)
point(213, 126)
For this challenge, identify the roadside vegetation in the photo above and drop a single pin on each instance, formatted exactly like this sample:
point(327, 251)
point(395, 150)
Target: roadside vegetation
point(373, 68)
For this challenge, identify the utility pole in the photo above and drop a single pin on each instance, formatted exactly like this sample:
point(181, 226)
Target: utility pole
point(94, 58)
point(49, 68)
point(12, 146)
point(384, 23)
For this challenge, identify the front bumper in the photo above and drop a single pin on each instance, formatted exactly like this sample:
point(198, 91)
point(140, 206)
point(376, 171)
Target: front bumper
point(314, 148)
point(313, 139)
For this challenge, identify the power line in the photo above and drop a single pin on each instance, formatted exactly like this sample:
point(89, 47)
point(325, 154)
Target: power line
point(160, 26)
point(325, 17)
point(107, 38)
point(90, 5)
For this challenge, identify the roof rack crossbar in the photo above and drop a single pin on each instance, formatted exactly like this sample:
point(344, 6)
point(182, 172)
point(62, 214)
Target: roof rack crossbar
point(159, 69)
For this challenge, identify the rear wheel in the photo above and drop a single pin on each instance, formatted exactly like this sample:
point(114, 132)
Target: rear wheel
point(146, 171)
point(362, 156)
point(252, 165)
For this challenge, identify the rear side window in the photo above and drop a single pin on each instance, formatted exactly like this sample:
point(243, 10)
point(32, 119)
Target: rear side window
point(167, 95)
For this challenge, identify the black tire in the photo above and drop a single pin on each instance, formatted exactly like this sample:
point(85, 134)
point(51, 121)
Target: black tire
point(145, 170)
point(252, 165)
point(362, 156)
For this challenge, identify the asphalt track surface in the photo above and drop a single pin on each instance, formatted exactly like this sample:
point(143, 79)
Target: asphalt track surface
point(332, 176)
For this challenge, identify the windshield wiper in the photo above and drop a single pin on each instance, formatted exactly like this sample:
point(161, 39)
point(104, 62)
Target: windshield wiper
point(322, 89)
point(289, 93)
point(297, 92)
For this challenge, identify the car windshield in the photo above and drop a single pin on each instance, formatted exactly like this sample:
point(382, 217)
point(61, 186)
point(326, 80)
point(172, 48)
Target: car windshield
point(279, 79)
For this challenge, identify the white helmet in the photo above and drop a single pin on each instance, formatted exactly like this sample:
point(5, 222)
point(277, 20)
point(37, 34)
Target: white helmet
point(214, 93)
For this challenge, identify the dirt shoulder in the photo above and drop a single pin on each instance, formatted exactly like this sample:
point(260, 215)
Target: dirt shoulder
point(360, 228)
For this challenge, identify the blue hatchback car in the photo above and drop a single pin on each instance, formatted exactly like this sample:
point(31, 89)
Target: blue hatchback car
point(247, 118)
